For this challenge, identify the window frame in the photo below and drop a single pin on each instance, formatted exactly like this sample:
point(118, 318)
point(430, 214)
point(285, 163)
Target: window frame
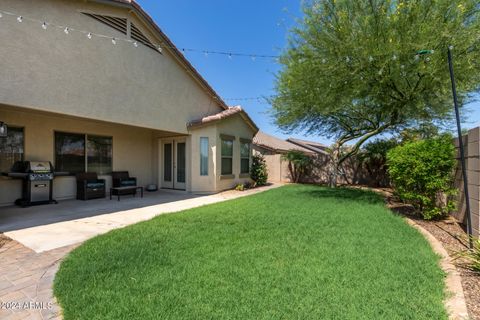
point(23, 140)
point(224, 137)
point(85, 153)
point(202, 158)
point(243, 142)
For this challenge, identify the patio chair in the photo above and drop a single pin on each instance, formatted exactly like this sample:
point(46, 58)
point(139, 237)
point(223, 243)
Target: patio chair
point(122, 179)
point(89, 186)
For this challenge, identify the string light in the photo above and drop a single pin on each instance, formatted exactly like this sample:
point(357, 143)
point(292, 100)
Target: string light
point(66, 30)
point(20, 19)
point(114, 41)
point(135, 44)
point(89, 35)
point(370, 58)
point(44, 26)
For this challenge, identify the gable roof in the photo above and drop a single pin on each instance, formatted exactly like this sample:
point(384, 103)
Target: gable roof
point(231, 111)
point(267, 141)
point(310, 145)
point(137, 9)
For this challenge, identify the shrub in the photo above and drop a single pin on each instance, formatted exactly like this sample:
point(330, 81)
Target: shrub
point(258, 171)
point(422, 174)
point(298, 164)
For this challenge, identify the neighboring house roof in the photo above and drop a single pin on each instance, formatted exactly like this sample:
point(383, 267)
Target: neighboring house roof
point(267, 141)
point(136, 8)
point(310, 145)
point(231, 111)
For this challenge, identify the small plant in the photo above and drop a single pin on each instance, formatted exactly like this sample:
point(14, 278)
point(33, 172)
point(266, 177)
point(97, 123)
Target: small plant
point(259, 171)
point(240, 187)
point(422, 174)
point(472, 255)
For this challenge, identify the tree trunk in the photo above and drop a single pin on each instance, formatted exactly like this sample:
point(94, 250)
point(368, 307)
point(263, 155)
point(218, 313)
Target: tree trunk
point(334, 166)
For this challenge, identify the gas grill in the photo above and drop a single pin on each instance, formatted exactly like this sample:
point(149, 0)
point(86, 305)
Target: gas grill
point(37, 183)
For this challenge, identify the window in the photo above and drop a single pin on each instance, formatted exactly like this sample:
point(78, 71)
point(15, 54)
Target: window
point(244, 156)
point(76, 153)
point(204, 156)
point(99, 154)
point(227, 155)
point(11, 148)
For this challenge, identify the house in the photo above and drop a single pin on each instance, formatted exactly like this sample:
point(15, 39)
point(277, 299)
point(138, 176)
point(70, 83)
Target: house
point(272, 149)
point(96, 86)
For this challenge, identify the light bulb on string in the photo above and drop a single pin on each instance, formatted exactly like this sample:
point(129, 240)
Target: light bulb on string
point(254, 58)
point(450, 47)
point(135, 44)
point(114, 41)
point(324, 60)
point(230, 56)
point(205, 53)
point(44, 26)
point(89, 35)
point(394, 57)
point(20, 19)
point(370, 58)
point(66, 30)
point(347, 59)
point(159, 48)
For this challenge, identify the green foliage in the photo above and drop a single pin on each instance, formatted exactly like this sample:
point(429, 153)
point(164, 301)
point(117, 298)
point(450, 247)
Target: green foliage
point(373, 158)
point(352, 70)
point(240, 187)
point(471, 255)
point(259, 171)
point(422, 174)
point(298, 164)
point(295, 252)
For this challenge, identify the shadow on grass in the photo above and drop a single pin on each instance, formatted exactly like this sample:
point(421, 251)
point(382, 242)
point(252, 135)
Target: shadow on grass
point(342, 193)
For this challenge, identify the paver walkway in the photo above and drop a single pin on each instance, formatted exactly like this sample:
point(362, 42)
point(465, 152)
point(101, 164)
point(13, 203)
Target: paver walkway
point(27, 275)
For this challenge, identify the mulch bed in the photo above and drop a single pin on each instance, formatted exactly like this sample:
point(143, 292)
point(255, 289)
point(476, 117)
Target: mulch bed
point(454, 239)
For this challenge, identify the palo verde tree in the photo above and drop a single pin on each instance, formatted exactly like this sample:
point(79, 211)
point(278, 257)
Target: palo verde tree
point(356, 69)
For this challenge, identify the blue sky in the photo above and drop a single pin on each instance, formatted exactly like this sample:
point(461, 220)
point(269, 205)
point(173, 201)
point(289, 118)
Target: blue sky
point(247, 26)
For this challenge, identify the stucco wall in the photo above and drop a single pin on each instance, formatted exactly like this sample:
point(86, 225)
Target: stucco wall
point(203, 184)
point(237, 127)
point(70, 74)
point(132, 148)
point(276, 167)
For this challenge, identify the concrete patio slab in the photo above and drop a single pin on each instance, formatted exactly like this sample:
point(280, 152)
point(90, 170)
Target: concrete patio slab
point(45, 228)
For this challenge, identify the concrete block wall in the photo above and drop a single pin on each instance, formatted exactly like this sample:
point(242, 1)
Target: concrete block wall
point(471, 142)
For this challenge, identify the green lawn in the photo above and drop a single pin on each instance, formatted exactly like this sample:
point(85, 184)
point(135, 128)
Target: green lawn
point(297, 252)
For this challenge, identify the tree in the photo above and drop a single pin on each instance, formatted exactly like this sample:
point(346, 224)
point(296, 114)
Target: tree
point(373, 158)
point(298, 164)
point(355, 69)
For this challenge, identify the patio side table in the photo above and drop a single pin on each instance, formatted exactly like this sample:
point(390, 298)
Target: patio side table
point(121, 191)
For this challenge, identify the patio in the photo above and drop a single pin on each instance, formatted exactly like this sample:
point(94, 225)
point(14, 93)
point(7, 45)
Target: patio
point(48, 227)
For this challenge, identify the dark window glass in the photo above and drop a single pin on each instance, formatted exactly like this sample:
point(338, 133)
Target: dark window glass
point(167, 162)
point(11, 148)
point(227, 157)
point(244, 157)
point(181, 162)
point(99, 154)
point(69, 152)
point(204, 156)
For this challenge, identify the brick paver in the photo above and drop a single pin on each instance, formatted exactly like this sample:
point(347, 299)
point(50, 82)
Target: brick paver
point(26, 282)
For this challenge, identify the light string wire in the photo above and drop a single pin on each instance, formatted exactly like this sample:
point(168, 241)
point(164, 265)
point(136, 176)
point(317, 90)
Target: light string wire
point(67, 29)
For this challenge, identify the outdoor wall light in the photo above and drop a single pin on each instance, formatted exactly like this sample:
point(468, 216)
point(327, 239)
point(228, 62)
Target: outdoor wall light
point(3, 129)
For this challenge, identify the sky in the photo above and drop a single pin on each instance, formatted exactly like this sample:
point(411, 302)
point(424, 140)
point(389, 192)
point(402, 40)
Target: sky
point(241, 26)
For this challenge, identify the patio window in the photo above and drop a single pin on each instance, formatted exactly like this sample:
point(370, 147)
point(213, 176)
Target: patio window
point(75, 153)
point(11, 148)
point(227, 154)
point(244, 156)
point(204, 156)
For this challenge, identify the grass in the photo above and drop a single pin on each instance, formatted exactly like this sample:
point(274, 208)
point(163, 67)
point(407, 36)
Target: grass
point(296, 252)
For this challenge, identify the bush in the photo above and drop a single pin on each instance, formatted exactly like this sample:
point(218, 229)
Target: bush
point(422, 174)
point(240, 187)
point(259, 172)
point(298, 164)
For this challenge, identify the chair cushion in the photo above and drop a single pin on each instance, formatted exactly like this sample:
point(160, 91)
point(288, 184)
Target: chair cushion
point(128, 183)
point(95, 185)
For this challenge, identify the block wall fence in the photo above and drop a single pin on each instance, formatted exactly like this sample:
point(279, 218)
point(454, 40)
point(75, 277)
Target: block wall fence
point(471, 142)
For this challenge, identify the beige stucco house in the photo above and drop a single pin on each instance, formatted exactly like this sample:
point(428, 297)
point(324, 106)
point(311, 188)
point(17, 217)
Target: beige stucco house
point(103, 104)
